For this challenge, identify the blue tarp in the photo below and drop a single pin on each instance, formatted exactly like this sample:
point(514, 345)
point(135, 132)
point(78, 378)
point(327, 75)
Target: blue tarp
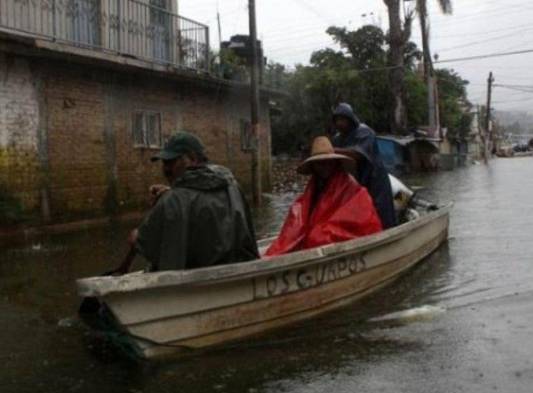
point(393, 154)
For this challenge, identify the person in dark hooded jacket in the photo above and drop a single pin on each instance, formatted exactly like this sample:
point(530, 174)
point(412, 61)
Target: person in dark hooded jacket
point(358, 141)
point(201, 220)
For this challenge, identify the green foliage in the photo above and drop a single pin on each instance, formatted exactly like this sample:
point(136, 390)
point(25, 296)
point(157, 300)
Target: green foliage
point(453, 104)
point(416, 99)
point(365, 47)
point(276, 75)
point(232, 66)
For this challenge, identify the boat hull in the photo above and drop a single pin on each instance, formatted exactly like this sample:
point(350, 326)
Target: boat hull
point(175, 312)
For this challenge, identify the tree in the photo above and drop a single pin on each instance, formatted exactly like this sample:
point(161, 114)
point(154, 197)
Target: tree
point(423, 16)
point(365, 47)
point(415, 99)
point(362, 79)
point(353, 73)
point(275, 75)
point(453, 104)
point(233, 66)
point(398, 37)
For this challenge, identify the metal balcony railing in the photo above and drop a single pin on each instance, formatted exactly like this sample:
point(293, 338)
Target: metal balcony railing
point(140, 28)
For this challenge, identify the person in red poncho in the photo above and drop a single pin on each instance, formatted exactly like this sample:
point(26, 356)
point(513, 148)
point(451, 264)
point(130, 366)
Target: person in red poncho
point(333, 208)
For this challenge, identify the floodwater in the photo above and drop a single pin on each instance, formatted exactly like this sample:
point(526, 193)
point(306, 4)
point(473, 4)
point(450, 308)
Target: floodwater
point(460, 322)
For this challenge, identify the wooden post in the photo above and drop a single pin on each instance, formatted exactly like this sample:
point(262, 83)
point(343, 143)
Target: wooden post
point(254, 103)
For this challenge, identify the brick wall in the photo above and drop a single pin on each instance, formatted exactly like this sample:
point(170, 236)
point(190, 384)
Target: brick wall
point(86, 116)
point(76, 153)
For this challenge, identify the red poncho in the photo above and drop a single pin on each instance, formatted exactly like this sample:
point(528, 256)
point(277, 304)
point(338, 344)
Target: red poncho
point(343, 211)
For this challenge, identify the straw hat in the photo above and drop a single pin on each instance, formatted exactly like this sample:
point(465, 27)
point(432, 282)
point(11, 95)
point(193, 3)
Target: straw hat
point(322, 150)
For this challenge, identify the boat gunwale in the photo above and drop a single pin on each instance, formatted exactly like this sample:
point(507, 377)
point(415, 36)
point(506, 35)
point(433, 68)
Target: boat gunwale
point(102, 286)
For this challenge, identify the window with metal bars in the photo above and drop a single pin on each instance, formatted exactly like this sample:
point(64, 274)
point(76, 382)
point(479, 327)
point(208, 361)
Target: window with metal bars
point(146, 129)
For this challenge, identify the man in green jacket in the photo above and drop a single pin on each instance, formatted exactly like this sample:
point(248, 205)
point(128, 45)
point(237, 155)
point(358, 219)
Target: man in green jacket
point(201, 220)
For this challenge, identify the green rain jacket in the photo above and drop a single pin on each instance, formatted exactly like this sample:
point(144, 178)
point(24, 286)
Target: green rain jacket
point(203, 220)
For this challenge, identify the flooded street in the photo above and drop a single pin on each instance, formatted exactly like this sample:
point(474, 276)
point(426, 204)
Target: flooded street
point(468, 327)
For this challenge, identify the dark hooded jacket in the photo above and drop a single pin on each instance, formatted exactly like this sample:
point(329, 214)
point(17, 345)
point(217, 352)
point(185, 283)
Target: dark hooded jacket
point(370, 171)
point(203, 220)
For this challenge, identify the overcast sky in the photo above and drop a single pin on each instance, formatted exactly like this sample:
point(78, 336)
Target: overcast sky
point(292, 29)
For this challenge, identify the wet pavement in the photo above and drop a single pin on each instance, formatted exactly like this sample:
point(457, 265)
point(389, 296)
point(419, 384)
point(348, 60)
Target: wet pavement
point(468, 327)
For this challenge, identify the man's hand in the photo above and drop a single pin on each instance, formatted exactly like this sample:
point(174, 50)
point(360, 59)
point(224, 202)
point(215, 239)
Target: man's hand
point(156, 191)
point(132, 237)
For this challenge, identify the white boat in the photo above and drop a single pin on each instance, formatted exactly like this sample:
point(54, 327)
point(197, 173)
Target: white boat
point(174, 312)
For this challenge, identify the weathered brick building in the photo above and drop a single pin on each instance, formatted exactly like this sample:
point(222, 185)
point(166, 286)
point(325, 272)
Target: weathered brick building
point(88, 95)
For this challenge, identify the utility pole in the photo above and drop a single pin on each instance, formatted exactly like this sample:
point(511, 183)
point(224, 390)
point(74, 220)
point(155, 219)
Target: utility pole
point(488, 124)
point(219, 31)
point(254, 104)
point(480, 131)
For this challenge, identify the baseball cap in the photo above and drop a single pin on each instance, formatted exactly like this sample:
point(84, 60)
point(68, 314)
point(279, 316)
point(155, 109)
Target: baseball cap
point(178, 144)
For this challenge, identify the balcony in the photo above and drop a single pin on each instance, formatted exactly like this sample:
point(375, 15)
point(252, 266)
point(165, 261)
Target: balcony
point(142, 29)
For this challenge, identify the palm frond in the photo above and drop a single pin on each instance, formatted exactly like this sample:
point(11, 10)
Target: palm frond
point(446, 6)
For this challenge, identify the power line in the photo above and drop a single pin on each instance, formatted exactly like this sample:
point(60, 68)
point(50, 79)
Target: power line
point(317, 12)
point(484, 41)
point(284, 37)
point(287, 38)
point(478, 57)
point(282, 33)
point(312, 46)
point(517, 93)
point(513, 86)
point(518, 90)
point(518, 78)
point(511, 101)
point(506, 29)
point(511, 8)
point(488, 56)
point(320, 15)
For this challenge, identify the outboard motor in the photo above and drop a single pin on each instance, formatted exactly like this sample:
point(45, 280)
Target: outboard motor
point(406, 201)
point(401, 194)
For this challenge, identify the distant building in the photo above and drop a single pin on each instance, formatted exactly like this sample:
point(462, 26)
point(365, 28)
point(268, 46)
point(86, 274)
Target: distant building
point(90, 89)
point(475, 140)
point(463, 150)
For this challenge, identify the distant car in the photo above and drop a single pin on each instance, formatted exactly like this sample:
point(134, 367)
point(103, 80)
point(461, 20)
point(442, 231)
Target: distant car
point(520, 148)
